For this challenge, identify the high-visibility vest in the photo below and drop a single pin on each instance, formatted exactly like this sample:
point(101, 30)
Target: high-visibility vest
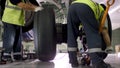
point(97, 8)
point(13, 14)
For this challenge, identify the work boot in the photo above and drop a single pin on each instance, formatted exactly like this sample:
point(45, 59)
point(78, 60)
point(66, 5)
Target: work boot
point(73, 59)
point(2, 61)
point(19, 58)
point(102, 65)
point(74, 65)
point(7, 59)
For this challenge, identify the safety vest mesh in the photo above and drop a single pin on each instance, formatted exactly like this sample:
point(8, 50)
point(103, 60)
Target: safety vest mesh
point(97, 8)
point(13, 14)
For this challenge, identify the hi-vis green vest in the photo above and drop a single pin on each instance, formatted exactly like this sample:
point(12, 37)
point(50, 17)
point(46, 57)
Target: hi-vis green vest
point(97, 8)
point(13, 14)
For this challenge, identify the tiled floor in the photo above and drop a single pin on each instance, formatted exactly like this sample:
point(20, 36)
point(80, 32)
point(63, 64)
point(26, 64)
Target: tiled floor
point(60, 61)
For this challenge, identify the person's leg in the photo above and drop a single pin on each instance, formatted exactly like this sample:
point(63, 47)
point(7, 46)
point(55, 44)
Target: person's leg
point(91, 27)
point(8, 39)
point(72, 34)
point(17, 47)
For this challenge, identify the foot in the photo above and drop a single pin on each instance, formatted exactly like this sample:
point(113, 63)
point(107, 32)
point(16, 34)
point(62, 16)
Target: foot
point(102, 65)
point(74, 65)
point(7, 59)
point(21, 59)
point(2, 62)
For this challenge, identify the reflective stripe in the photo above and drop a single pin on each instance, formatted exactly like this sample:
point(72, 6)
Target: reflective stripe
point(8, 54)
point(12, 7)
point(95, 50)
point(17, 53)
point(72, 49)
point(11, 55)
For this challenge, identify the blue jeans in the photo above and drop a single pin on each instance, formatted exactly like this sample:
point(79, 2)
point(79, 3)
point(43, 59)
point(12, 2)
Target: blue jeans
point(12, 38)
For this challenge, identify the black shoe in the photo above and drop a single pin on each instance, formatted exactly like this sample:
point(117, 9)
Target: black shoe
point(8, 59)
point(73, 59)
point(102, 65)
point(19, 58)
point(2, 62)
point(74, 65)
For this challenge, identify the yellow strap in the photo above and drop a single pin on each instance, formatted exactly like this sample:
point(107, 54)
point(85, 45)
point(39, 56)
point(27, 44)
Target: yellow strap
point(109, 3)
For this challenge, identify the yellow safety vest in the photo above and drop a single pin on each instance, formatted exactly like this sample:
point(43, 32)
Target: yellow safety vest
point(13, 14)
point(97, 8)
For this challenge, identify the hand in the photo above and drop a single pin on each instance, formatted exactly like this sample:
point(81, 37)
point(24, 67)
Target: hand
point(38, 9)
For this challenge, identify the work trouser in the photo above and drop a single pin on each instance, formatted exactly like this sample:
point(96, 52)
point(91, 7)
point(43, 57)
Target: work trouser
point(81, 13)
point(12, 39)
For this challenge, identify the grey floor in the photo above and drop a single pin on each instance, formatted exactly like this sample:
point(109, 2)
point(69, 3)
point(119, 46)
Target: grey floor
point(60, 61)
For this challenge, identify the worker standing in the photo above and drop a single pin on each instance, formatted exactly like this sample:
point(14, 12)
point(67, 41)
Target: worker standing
point(13, 19)
point(88, 13)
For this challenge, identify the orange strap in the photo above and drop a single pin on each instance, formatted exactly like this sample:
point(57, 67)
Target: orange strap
point(109, 3)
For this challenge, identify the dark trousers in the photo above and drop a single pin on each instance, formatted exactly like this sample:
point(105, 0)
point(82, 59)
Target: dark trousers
point(81, 13)
point(12, 38)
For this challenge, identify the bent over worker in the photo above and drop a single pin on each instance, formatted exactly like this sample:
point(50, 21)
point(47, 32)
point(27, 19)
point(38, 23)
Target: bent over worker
point(13, 19)
point(88, 13)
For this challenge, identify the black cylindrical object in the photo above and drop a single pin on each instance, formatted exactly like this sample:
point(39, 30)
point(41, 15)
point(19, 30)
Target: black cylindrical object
point(45, 33)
